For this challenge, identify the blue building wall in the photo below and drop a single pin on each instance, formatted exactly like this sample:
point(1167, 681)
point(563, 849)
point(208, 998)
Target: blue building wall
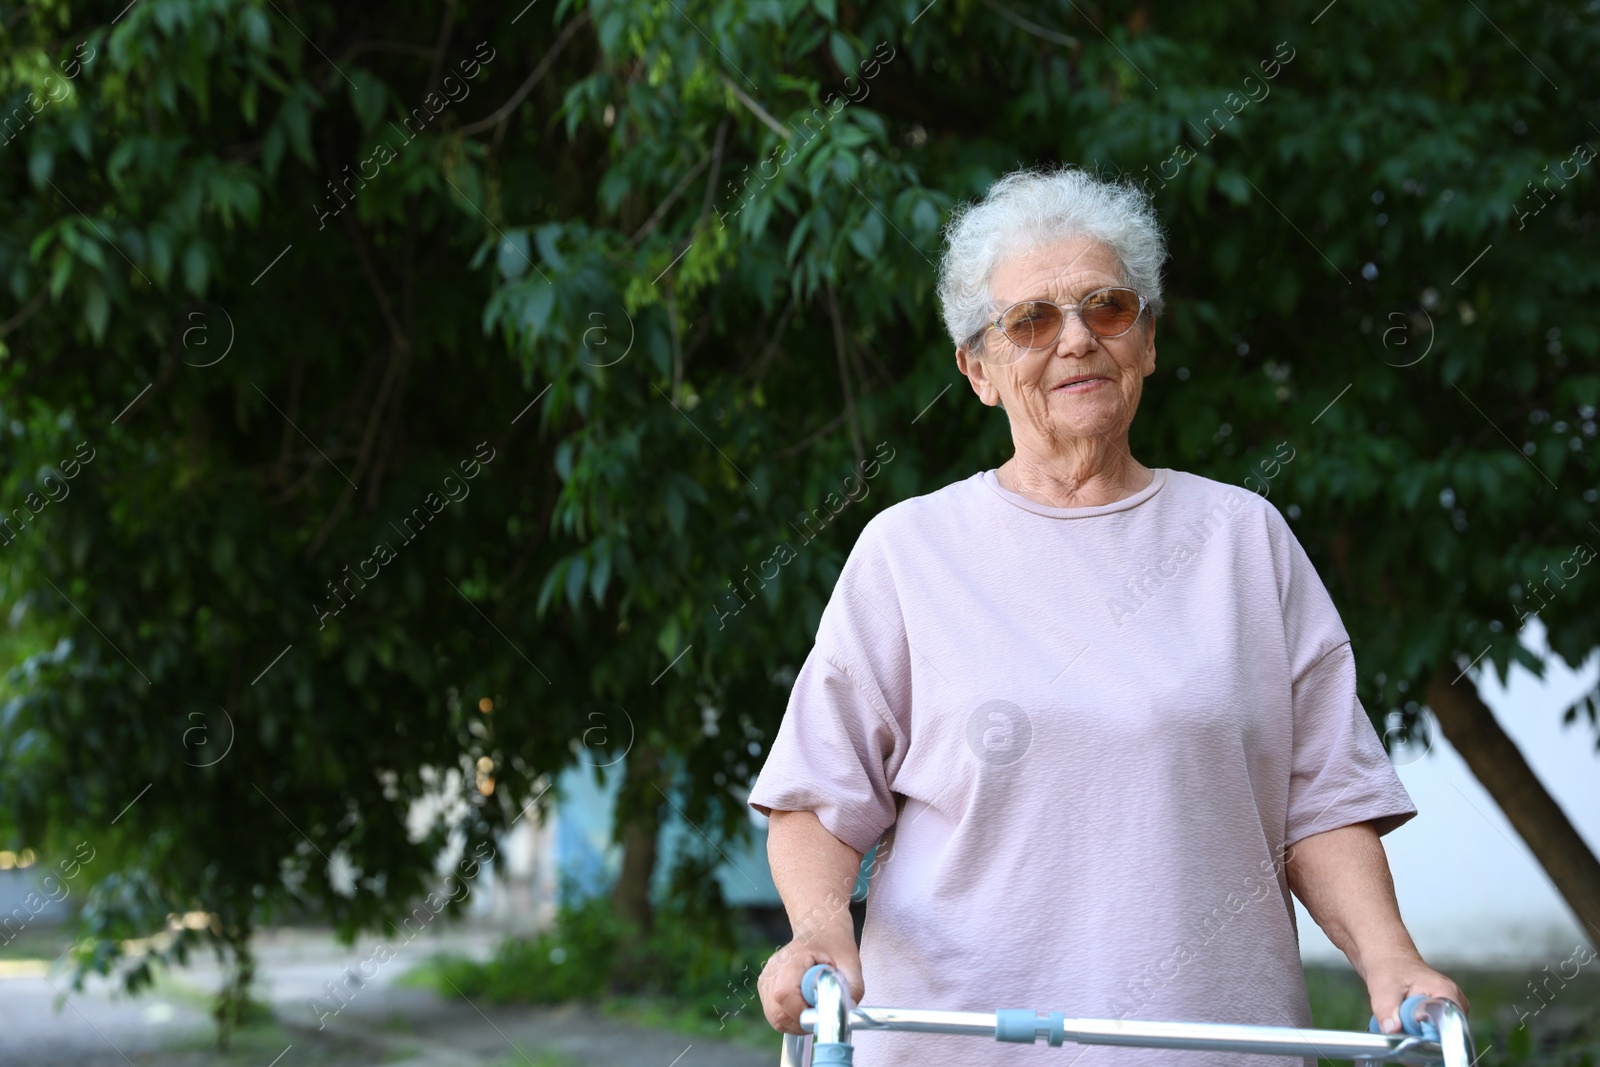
point(588, 862)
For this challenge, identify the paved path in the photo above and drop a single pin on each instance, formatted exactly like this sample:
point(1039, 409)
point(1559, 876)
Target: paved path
point(381, 1023)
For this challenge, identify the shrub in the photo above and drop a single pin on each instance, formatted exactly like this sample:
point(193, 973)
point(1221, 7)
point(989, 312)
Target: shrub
point(692, 955)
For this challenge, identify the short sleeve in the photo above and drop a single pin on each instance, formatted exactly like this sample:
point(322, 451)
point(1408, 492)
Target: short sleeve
point(835, 754)
point(1340, 773)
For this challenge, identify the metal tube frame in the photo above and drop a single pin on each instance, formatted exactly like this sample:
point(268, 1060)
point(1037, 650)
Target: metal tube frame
point(834, 1018)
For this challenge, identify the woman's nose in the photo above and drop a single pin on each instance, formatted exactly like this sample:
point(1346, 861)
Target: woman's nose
point(1075, 338)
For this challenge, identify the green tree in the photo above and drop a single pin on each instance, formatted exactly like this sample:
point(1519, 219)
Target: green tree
point(670, 268)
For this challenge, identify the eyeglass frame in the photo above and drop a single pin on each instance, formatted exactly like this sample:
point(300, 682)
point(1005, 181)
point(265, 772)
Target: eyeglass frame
point(1144, 304)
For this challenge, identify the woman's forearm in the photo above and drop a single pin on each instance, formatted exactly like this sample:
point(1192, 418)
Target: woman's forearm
point(815, 873)
point(1342, 877)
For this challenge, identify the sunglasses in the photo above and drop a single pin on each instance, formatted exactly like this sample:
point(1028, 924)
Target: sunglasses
point(1106, 313)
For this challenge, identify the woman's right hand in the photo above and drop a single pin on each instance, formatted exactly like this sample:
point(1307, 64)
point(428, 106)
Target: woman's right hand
point(779, 984)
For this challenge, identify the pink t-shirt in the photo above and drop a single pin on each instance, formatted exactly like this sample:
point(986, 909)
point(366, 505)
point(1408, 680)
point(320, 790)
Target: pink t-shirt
point(1089, 735)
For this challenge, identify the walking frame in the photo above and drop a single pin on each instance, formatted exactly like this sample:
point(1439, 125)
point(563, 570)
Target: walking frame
point(1441, 1038)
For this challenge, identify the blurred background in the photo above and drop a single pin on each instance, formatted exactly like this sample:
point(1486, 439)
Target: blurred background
point(402, 408)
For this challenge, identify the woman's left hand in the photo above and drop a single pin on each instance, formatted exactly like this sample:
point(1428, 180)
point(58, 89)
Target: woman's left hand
point(1391, 980)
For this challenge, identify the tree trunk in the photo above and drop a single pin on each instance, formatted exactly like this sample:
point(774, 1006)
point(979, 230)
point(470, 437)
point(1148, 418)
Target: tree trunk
point(638, 826)
point(1498, 764)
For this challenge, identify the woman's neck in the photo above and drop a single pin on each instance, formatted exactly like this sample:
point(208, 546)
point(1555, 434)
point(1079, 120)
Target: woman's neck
point(1092, 478)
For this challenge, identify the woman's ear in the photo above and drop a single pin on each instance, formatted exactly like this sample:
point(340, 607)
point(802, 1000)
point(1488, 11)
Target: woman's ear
point(1148, 363)
point(977, 373)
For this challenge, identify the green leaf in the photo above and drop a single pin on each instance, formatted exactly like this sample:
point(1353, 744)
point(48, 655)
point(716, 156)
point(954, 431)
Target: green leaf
point(513, 254)
point(355, 667)
point(272, 146)
point(60, 271)
point(537, 305)
point(576, 572)
point(610, 26)
point(160, 248)
point(257, 30)
point(867, 236)
point(81, 134)
point(843, 52)
point(294, 119)
point(1233, 185)
point(546, 237)
point(196, 269)
point(368, 96)
point(676, 509)
point(41, 164)
point(669, 638)
point(97, 311)
point(850, 135)
point(547, 588)
point(600, 576)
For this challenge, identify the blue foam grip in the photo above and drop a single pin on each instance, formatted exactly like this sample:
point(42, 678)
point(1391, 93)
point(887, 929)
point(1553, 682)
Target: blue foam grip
point(1021, 1026)
point(1423, 1028)
point(1016, 1024)
point(808, 983)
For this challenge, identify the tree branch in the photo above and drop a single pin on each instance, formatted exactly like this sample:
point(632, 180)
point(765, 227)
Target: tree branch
point(399, 351)
point(770, 349)
point(677, 191)
point(168, 366)
point(1499, 765)
point(1031, 27)
point(447, 24)
point(810, 438)
point(505, 109)
point(760, 112)
point(25, 313)
point(396, 414)
point(540, 529)
point(404, 47)
point(716, 170)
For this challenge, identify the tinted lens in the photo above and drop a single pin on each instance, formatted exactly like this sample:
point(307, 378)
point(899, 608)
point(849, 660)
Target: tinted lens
point(1032, 323)
point(1111, 311)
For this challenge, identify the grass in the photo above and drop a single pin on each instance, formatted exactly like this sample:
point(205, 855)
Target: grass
point(170, 986)
point(426, 975)
point(699, 1018)
point(745, 1026)
point(542, 1059)
point(36, 942)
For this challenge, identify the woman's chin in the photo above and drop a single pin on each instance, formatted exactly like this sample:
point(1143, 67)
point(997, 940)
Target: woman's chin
point(1084, 416)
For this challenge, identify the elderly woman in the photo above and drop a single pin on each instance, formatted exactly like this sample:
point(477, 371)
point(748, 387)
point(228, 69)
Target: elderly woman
point(1099, 719)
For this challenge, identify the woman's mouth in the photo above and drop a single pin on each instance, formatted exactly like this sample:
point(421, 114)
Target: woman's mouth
point(1082, 385)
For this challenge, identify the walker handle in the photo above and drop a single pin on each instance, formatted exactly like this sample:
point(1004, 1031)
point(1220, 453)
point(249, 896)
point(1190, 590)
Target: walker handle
point(1423, 1028)
point(808, 983)
point(826, 990)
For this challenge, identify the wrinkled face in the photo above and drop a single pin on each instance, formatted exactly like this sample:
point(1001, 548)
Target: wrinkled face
point(1035, 385)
